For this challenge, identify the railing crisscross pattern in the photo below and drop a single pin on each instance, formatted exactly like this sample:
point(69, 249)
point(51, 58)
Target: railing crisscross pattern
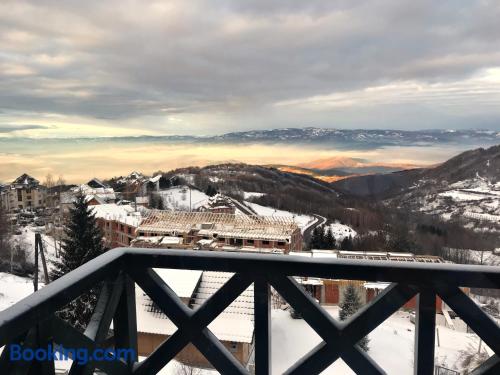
point(33, 322)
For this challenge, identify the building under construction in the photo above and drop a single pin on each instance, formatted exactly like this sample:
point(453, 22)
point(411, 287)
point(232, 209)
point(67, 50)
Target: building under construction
point(222, 231)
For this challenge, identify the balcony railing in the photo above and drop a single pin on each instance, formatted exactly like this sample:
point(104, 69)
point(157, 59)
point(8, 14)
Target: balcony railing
point(32, 321)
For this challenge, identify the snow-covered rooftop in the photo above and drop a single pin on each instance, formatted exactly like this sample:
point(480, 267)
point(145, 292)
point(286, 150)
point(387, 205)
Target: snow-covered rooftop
point(234, 324)
point(182, 282)
point(376, 285)
point(125, 214)
point(171, 240)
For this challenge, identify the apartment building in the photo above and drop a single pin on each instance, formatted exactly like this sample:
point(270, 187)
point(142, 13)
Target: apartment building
point(118, 223)
point(24, 193)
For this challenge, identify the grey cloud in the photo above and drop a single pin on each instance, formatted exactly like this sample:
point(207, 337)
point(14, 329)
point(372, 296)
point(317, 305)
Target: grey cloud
point(120, 59)
point(13, 128)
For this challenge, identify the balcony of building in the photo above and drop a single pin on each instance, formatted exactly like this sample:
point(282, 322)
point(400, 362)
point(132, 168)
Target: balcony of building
point(32, 322)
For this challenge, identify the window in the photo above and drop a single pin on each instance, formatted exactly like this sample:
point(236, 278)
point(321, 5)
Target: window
point(265, 242)
point(20, 195)
point(250, 242)
point(281, 243)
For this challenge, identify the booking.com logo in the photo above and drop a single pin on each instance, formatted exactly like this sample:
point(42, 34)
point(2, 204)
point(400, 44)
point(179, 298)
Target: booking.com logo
point(79, 355)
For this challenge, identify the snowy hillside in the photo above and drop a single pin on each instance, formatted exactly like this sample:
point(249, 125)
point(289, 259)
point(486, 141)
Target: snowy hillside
point(303, 221)
point(181, 198)
point(476, 199)
point(341, 231)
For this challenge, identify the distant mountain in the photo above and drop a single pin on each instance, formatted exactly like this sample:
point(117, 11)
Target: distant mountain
point(479, 163)
point(377, 185)
point(340, 167)
point(360, 138)
point(354, 165)
point(466, 187)
point(330, 175)
point(336, 174)
point(340, 138)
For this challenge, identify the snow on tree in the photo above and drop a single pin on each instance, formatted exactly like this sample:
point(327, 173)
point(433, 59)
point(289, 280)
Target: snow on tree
point(350, 304)
point(83, 241)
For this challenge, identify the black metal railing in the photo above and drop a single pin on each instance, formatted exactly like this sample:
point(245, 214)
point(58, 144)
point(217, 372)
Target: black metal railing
point(32, 321)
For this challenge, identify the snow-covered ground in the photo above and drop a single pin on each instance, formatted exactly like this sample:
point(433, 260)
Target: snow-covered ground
point(303, 221)
point(341, 231)
point(26, 240)
point(251, 194)
point(487, 258)
point(176, 368)
point(178, 198)
point(459, 195)
point(391, 344)
point(13, 288)
point(476, 200)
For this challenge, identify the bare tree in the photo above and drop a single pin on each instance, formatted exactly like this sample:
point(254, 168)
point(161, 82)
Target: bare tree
point(60, 181)
point(49, 181)
point(5, 250)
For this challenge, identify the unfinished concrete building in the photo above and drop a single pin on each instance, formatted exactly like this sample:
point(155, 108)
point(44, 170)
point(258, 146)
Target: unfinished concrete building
point(221, 231)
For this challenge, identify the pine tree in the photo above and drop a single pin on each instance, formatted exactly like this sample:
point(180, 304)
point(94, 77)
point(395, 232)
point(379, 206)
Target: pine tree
point(321, 238)
point(210, 191)
point(82, 242)
point(316, 241)
point(164, 183)
point(161, 205)
point(347, 244)
point(329, 239)
point(350, 304)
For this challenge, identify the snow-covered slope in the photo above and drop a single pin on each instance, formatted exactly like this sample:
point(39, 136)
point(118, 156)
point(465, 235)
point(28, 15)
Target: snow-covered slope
point(13, 288)
point(476, 199)
point(180, 198)
point(341, 231)
point(303, 221)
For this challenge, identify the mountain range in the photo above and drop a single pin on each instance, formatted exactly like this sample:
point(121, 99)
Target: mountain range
point(340, 138)
point(363, 138)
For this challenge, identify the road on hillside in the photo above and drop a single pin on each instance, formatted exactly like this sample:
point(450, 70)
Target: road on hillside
point(320, 220)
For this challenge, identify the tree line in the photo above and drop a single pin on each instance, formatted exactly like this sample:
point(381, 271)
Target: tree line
point(323, 239)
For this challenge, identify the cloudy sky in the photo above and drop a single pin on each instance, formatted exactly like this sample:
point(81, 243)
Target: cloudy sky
point(94, 68)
